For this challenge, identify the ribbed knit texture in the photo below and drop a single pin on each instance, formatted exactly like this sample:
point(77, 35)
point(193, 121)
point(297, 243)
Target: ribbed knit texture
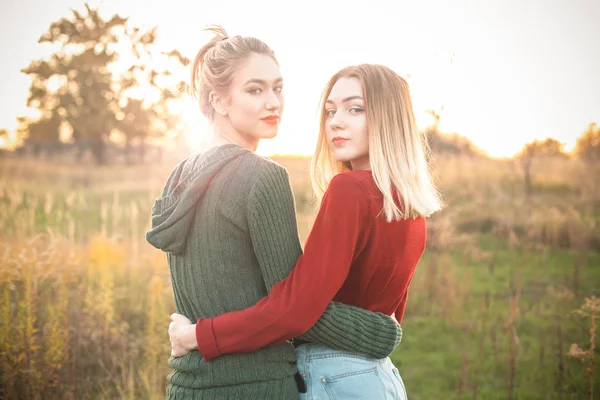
point(218, 218)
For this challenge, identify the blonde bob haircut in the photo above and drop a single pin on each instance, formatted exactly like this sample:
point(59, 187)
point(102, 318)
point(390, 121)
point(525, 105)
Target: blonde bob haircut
point(398, 152)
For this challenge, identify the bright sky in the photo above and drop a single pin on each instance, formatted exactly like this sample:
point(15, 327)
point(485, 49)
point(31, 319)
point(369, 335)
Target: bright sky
point(506, 72)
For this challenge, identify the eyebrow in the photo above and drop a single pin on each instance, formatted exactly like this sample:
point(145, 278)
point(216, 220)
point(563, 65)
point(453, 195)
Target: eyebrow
point(262, 81)
point(347, 99)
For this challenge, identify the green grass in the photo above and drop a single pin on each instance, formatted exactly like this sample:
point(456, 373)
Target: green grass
point(456, 340)
point(124, 211)
point(490, 266)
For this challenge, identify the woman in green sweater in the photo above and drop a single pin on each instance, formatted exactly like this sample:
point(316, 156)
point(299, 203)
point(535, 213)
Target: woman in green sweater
point(216, 219)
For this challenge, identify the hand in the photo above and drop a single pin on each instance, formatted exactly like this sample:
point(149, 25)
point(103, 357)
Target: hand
point(182, 334)
point(393, 316)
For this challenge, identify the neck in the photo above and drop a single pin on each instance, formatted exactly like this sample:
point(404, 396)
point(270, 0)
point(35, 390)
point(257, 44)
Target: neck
point(222, 132)
point(361, 164)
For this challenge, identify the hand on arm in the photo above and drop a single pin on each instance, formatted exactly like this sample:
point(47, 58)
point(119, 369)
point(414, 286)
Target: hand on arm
point(296, 303)
point(182, 334)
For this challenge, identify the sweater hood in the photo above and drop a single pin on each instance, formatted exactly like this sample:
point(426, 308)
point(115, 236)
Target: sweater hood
point(173, 212)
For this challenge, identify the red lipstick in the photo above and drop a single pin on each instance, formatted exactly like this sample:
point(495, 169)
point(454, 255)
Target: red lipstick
point(271, 119)
point(338, 140)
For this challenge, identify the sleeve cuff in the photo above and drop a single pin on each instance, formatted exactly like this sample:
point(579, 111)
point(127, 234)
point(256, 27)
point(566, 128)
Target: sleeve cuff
point(205, 337)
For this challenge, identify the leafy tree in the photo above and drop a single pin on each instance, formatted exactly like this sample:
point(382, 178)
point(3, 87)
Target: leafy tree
point(588, 144)
point(537, 149)
point(82, 89)
point(448, 143)
point(80, 71)
point(139, 118)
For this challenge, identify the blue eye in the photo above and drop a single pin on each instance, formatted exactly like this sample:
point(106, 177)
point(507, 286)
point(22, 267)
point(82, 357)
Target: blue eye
point(278, 89)
point(254, 91)
point(329, 113)
point(356, 110)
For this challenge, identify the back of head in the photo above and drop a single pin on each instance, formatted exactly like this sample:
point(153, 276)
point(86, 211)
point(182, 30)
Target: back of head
point(398, 151)
point(216, 62)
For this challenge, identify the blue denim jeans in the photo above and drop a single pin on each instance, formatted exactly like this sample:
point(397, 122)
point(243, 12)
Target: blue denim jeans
point(332, 374)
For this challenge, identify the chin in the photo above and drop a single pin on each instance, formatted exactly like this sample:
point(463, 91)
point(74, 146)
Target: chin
point(342, 156)
point(268, 134)
point(343, 159)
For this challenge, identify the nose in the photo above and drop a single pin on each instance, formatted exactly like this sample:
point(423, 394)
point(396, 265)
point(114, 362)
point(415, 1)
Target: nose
point(272, 102)
point(335, 122)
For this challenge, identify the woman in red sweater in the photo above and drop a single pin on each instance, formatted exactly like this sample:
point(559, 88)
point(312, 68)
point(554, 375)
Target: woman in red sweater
point(371, 173)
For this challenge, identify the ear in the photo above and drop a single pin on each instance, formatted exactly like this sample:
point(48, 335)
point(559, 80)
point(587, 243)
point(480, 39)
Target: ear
point(218, 103)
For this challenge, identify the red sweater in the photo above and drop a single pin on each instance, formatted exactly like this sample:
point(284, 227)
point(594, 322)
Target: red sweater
point(352, 255)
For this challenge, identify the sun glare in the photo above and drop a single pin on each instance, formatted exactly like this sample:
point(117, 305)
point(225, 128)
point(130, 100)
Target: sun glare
point(494, 85)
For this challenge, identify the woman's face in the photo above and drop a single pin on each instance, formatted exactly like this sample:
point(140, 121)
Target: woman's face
point(346, 123)
point(254, 103)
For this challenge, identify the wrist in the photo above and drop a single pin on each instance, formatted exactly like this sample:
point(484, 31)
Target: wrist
point(190, 337)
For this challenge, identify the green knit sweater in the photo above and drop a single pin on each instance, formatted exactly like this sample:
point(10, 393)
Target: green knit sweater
point(227, 221)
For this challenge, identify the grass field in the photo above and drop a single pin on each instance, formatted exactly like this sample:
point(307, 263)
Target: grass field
point(85, 301)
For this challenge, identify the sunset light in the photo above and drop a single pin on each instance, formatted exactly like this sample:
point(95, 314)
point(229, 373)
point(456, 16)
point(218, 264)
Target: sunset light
point(499, 77)
point(154, 245)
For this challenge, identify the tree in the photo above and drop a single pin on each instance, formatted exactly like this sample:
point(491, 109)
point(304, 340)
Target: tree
point(453, 143)
point(3, 139)
point(140, 118)
point(538, 149)
point(588, 144)
point(82, 90)
point(84, 97)
point(543, 148)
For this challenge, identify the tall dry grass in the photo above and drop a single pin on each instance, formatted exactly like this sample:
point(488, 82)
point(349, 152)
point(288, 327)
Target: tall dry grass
point(84, 301)
point(82, 321)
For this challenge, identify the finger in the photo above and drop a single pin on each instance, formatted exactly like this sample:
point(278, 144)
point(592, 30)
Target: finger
point(173, 316)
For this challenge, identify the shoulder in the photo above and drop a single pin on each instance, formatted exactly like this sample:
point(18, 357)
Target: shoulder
point(348, 190)
point(351, 182)
point(346, 197)
point(255, 169)
point(267, 170)
point(267, 176)
point(267, 164)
